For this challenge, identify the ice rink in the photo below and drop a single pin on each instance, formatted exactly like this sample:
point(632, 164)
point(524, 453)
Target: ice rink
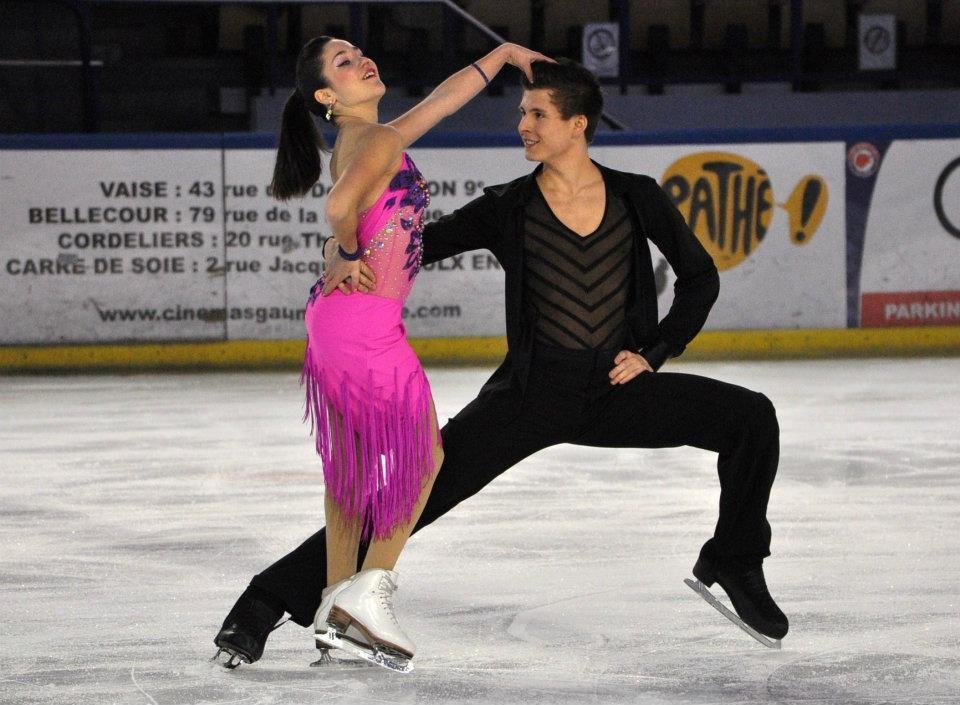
point(134, 509)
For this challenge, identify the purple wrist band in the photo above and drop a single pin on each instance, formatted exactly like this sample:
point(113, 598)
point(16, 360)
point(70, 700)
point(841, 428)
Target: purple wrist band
point(349, 256)
point(486, 80)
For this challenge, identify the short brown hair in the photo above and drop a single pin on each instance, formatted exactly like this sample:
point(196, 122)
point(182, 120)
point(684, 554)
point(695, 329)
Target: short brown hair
point(573, 89)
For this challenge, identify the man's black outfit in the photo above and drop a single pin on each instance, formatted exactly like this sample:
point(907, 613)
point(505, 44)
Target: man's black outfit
point(541, 396)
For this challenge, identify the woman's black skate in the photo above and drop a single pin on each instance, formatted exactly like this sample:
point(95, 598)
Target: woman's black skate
point(245, 630)
point(742, 579)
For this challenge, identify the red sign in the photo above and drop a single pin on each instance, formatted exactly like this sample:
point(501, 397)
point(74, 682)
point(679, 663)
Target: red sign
point(911, 308)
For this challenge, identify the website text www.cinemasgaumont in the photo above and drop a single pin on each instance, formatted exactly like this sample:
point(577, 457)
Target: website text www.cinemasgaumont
point(258, 314)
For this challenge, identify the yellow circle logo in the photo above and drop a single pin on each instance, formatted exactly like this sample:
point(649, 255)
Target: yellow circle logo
point(727, 200)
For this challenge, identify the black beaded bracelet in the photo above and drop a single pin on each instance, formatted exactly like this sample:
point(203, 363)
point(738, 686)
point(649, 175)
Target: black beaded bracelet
point(349, 256)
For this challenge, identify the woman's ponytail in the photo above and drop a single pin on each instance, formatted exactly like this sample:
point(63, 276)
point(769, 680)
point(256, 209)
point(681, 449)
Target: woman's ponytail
point(297, 167)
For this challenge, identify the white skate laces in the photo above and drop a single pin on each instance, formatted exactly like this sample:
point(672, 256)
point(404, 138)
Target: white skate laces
point(384, 594)
point(365, 607)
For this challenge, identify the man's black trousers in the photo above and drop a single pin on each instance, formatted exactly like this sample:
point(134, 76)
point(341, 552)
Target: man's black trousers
point(569, 399)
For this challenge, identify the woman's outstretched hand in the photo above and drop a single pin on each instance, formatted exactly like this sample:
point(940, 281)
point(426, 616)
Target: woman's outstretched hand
point(521, 57)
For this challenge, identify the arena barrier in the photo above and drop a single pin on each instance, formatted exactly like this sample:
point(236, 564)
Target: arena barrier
point(166, 251)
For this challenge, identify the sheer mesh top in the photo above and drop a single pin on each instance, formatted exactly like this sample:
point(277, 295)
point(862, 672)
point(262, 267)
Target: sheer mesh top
point(578, 285)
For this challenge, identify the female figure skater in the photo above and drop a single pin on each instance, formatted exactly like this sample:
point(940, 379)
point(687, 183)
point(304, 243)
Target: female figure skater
point(369, 402)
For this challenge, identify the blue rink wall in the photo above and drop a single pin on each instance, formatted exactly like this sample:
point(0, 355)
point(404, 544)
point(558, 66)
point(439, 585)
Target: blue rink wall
point(152, 251)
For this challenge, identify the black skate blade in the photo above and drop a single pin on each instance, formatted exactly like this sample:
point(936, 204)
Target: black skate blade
point(232, 662)
point(708, 596)
point(331, 639)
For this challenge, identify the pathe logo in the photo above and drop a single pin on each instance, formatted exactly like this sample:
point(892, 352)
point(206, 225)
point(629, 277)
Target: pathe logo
point(863, 159)
point(728, 202)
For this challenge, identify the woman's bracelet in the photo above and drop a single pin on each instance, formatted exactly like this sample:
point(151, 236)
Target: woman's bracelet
point(486, 80)
point(349, 256)
point(323, 247)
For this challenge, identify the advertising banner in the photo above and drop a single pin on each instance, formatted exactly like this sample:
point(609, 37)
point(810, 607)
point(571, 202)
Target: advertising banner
point(910, 265)
point(110, 245)
point(113, 245)
point(772, 217)
point(187, 245)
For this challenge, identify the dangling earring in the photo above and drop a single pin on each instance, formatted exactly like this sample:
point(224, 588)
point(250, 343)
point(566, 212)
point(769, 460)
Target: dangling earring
point(329, 112)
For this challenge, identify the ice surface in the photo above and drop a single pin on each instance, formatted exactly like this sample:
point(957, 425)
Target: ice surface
point(134, 509)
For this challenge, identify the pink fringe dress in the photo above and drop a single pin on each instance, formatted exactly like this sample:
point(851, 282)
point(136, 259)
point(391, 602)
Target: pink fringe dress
point(367, 396)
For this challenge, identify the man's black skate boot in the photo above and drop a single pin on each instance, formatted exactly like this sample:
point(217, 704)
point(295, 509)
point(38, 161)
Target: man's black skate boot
point(245, 630)
point(742, 579)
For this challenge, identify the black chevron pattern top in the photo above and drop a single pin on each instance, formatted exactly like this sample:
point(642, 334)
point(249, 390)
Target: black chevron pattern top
point(577, 286)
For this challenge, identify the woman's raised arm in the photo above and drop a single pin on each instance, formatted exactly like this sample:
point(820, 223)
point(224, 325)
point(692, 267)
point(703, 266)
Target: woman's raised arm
point(457, 90)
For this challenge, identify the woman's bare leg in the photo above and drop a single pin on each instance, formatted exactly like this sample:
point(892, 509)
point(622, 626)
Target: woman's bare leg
point(343, 542)
point(343, 534)
point(383, 553)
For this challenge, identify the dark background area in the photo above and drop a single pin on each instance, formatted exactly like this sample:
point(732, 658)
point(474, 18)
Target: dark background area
point(98, 66)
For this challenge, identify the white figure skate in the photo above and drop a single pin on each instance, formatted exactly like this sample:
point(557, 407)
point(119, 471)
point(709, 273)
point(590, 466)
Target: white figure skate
point(362, 622)
point(320, 627)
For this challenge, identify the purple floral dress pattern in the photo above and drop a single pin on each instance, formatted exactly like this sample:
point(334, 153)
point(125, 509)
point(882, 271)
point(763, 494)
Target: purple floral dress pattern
point(390, 233)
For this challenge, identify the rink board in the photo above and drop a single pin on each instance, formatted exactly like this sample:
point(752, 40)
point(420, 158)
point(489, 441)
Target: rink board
point(255, 354)
point(130, 241)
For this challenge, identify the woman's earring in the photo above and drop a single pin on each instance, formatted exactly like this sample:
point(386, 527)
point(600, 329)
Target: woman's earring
point(329, 113)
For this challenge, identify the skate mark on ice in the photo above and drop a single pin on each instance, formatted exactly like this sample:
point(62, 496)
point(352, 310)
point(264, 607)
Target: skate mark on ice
point(524, 627)
point(133, 677)
point(906, 678)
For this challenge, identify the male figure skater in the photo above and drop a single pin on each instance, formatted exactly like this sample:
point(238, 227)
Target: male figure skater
point(584, 344)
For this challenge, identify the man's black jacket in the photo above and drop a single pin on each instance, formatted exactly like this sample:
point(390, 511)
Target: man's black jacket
point(494, 221)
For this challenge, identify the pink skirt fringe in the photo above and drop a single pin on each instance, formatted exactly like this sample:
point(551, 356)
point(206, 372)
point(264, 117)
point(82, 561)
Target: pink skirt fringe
point(369, 406)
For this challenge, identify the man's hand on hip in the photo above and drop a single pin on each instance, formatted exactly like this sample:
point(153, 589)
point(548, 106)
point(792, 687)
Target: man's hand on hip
point(628, 365)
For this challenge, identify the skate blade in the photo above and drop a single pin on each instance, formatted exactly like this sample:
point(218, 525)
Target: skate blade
point(708, 596)
point(331, 639)
point(233, 660)
point(329, 660)
point(329, 657)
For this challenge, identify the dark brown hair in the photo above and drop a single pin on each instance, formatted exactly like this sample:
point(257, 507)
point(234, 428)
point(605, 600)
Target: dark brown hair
point(299, 143)
point(573, 89)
